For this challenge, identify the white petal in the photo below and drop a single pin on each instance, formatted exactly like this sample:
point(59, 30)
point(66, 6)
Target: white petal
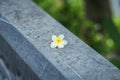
point(54, 37)
point(61, 46)
point(53, 45)
point(61, 36)
point(65, 42)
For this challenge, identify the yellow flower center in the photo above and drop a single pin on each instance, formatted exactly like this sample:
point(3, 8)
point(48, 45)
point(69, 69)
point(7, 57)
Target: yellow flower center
point(58, 41)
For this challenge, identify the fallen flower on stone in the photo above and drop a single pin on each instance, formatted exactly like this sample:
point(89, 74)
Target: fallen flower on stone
point(58, 41)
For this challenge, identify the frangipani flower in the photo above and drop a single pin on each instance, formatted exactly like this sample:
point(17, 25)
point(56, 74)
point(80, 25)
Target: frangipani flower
point(58, 41)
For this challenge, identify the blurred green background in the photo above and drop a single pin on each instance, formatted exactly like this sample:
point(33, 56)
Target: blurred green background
point(92, 21)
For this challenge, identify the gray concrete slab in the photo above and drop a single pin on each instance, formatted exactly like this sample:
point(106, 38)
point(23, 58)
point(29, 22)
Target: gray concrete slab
point(25, 36)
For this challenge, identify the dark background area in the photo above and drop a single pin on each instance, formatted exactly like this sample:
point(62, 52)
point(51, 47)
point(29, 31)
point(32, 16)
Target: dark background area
point(91, 20)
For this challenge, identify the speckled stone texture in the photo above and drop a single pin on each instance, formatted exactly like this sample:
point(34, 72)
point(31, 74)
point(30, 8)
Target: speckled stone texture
point(25, 38)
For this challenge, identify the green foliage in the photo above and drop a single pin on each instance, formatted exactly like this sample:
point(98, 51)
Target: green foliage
point(116, 62)
point(116, 21)
point(71, 13)
point(113, 32)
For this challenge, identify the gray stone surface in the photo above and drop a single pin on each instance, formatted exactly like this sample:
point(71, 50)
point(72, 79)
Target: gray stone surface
point(25, 38)
point(6, 73)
